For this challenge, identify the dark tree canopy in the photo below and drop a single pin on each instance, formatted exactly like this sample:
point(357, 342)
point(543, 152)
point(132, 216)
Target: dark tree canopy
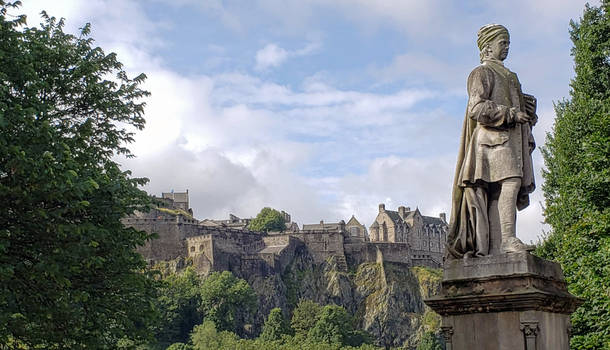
point(268, 220)
point(69, 273)
point(275, 326)
point(336, 326)
point(429, 341)
point(179, 303)
point(577, 187)
point(227, 301)
point(305, 316)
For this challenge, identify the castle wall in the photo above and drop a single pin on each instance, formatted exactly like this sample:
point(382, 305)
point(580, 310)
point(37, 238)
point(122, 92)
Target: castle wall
point(282, 239)
point(322, 245)
point(427, 258)
point(235, 241)
point(358, 253)
point(171, 231)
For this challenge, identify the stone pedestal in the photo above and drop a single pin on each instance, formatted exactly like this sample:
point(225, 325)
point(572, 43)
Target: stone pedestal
point(513, 301)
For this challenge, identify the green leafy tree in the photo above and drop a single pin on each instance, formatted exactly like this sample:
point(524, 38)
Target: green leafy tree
point(305, 316)
point(429, 341)
point(227, 301)
point(268, 220)
point(206, 337)
point(275, 326)
point(336, 326)
point(178, 302)
point(577, 187)
point(179, 346)
point(69, 273)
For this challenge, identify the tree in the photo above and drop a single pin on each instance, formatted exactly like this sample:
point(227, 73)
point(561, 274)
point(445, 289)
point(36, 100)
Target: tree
point(268, 220)
point(275, 326)
point(577, 180)
point(305, 316)
point(178, 302)
point(69, 273)
point(336, 326)
point(206, 337)
point(227, 301)
point(179, 346)
point(429, 342)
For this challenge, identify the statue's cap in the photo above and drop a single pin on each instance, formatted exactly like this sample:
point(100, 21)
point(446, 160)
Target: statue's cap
point(488, 33)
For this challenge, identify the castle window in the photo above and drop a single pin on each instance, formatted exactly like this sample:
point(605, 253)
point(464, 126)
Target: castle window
point(201, 248)
point(192, 249)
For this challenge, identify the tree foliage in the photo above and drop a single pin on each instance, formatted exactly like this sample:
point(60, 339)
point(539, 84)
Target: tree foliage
point(227, 301)
point(275, 326)
point(429, 341)
point(577, 187)
point(305, 316)
point(268, 220)
point(206, 337)
point(179, 346)
point(178, 302)
point(69, 274)
point(336, 326)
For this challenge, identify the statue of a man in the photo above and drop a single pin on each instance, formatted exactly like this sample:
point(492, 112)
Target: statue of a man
point(494, 174)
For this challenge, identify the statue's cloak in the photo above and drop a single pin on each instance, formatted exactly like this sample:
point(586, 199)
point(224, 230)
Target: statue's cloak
point(469, 224)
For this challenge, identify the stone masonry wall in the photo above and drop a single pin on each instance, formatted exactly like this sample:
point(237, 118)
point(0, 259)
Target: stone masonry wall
point(358, 253)
point(171, 231)
point(322, 245)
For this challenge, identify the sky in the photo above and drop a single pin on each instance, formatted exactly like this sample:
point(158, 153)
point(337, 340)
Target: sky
point(321, 108)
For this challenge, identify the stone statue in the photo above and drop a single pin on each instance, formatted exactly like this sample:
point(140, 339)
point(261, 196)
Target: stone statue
point(494, 173)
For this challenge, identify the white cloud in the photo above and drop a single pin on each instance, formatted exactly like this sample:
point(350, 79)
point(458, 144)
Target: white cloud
point(272, 55)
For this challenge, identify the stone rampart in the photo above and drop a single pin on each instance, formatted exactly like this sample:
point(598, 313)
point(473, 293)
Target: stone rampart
point(426, 258)
point(322, 245)
point(171, 230)
point(358, 253)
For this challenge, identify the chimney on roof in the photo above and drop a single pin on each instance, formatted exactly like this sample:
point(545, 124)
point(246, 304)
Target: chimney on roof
point(443, 216)
point(408, 209)
point(321, 222)
point(402, 212)
point(381, 208)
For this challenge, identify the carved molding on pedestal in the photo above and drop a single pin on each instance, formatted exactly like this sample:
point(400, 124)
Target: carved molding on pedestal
point(447, 332)
point(530, 331)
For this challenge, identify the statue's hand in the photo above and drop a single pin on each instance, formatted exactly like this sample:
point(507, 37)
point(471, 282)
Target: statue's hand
point(523, 118)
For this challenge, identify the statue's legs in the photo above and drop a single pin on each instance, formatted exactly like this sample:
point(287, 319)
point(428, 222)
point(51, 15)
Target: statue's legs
point(507, 206)
point(506, 214)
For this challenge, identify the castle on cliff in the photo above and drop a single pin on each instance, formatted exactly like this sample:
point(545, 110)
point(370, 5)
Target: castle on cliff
point(402, 236)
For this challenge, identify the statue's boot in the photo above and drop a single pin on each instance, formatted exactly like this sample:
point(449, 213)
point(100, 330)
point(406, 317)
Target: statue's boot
point(513, 244)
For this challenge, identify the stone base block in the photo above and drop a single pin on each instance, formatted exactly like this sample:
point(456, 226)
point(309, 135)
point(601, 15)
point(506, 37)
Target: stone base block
point(513, 301)
point(510, 330)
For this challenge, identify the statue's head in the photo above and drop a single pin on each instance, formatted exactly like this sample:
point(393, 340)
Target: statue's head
point(493, 41)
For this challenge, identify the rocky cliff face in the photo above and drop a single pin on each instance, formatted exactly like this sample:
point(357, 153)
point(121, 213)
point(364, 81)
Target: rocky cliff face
point(386, 298)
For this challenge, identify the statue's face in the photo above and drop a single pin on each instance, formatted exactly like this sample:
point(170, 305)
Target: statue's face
point(498, 48)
